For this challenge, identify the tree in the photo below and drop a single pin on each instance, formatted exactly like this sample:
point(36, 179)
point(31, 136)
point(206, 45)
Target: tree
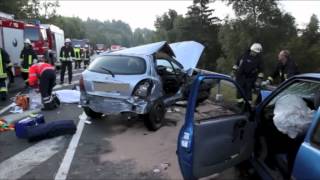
point(257, 21)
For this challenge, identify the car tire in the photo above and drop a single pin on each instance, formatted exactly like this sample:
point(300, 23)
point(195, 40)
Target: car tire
point(89, 112)
point(155, 118)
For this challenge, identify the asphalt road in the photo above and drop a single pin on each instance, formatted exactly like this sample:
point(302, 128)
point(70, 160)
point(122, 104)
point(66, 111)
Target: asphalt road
point(113, 147)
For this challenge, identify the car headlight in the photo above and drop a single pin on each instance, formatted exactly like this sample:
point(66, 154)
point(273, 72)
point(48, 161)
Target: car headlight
point(142, 89)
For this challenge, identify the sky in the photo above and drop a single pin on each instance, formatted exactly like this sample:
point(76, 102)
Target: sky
point(142, 14)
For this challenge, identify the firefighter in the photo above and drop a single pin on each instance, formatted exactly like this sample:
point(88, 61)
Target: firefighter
point(66, 58)
point(42, 76)
point(28, 57)
point(248, 70)
point(4, 62)
point(77, 54)
point(286, 68)
point(86, 56)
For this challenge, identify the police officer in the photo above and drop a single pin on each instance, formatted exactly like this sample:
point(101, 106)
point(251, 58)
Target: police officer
point(28, 57)
point(43, 76)
point(4, 62)
point(66, 58)
point(248, 69)
point(86, 56)
point(285, 69)
point(77, 54)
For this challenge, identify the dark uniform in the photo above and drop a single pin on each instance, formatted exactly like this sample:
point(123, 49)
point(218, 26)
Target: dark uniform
point(284, 71)
point(27, 56)
point(66, 57)
point(77, 54)
point(249, 68)
point(86, 58)
point(4, 62)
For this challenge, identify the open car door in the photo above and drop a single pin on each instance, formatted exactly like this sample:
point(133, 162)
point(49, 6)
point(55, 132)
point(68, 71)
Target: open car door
point(308, 157)
point(218, 132)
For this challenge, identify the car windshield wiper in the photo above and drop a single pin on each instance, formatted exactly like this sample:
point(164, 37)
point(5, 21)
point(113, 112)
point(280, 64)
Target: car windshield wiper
point(109, 71)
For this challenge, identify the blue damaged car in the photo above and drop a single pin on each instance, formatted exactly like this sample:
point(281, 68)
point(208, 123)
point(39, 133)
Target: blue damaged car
point(220, 132)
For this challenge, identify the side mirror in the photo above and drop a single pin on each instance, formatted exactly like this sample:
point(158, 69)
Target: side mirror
point(161, 70)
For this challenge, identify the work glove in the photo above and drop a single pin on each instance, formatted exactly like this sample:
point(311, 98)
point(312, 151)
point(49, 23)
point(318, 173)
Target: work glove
point(265, 83)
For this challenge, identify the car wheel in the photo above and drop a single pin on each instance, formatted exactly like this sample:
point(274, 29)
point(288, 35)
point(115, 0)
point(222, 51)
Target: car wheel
point(154, 119)
point(89, 112)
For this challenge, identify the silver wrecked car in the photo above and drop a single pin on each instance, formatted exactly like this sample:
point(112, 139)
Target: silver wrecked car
point(142, 80)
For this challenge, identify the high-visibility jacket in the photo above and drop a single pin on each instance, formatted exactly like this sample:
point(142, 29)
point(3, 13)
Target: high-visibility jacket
point(4, 62)
point(66, 53)
point(35, 72)
point(77, 54)
point(27, 56)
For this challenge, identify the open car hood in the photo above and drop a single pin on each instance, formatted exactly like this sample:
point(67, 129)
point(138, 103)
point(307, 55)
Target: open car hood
point(148, 49)
point(187, 53)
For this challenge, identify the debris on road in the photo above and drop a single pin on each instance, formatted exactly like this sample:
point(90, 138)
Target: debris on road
point(165, 166)
point(13, 118)
point(5, 126)
point(156, 171)
point(88, 122)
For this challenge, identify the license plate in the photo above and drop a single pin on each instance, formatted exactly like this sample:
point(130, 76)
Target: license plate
point(110, 87)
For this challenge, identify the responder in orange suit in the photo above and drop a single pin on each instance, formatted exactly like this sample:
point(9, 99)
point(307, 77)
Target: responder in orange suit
point(42, 75)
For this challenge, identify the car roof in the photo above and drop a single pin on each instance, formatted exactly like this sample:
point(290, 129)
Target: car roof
point(310, 75)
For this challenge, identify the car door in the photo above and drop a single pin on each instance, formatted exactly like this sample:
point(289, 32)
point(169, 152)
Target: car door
point(306, 164)
point(218, 132)
point(169, 78)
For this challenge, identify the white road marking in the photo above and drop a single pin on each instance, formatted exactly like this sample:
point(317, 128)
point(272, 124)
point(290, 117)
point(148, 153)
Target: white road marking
point(23, 162)
point(68, 157)
point(3, 110)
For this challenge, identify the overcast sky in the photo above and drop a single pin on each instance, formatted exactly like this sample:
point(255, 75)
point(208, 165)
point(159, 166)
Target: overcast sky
point(142, 14)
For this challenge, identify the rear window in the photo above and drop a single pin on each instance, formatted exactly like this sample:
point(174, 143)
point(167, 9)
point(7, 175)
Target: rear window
point(32, 33)
point(125, 65)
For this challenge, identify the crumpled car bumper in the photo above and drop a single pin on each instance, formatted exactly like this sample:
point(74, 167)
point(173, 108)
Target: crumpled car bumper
point(112, 105)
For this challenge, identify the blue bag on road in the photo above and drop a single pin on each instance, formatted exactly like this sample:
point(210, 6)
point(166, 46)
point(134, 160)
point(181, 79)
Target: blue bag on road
point(51, 129)
point(22, 125)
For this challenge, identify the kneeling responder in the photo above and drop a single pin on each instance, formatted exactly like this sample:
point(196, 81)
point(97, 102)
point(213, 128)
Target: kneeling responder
point(28, 57)
point(43, 76)
point(4, 62)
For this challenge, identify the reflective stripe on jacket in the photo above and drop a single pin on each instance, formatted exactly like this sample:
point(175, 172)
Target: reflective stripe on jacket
point(35, 72)
point(2, 73)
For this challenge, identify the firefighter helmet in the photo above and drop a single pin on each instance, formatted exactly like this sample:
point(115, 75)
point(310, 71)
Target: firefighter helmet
point(256, 47)
point(67, 40)
point(27, 41)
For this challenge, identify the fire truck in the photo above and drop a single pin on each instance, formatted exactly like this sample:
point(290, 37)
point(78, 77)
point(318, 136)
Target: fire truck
point(11, 37)
point(47, 40)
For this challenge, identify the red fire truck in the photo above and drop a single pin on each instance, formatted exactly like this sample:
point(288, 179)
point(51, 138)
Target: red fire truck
point(46, 39)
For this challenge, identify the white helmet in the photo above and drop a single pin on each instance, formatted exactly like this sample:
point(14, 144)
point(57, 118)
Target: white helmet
point(256, 47)
point(27, 41)
point(67, 40)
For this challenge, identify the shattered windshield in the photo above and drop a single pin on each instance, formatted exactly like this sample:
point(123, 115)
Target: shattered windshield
point(300, 88)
